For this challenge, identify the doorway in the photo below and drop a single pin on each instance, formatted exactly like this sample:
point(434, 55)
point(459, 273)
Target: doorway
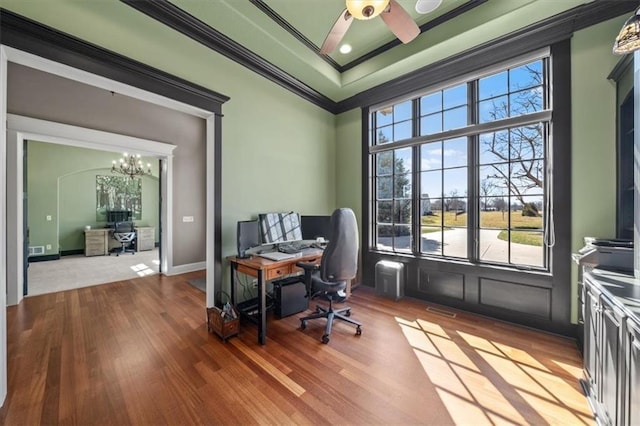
point(69, 204)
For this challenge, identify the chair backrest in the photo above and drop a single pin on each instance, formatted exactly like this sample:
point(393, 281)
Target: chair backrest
point(340, 257)
point(122, 227)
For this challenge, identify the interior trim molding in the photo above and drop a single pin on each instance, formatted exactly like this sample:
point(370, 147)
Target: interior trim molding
point(189, 267)
point(30, 36)
point(172, 16)
point(541, 34)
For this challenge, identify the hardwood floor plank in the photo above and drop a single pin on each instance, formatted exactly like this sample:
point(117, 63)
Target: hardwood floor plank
point(138, 352)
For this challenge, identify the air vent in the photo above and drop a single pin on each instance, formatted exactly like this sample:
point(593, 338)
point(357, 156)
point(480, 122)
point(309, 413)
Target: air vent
point(36, 250)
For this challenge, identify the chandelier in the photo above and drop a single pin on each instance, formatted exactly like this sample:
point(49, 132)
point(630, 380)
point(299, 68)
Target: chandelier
point(130, 165)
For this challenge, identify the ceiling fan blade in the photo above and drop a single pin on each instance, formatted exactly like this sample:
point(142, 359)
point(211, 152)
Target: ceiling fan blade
point(337, 32)
point(400, 22)
point(426, 6)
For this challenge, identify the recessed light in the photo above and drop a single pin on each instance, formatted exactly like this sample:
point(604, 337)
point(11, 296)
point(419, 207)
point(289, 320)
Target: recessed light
point(345, 48)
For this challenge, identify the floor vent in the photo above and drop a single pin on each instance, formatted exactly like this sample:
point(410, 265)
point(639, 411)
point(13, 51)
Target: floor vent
point(441, 312)
point(36, 250)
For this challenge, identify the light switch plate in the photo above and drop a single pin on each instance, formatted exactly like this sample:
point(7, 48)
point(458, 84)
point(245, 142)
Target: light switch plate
point(187, 218)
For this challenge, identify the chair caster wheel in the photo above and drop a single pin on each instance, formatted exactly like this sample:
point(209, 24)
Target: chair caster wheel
point(303, 325)
point(325, 339)
point(358, 331)
point(347, 313)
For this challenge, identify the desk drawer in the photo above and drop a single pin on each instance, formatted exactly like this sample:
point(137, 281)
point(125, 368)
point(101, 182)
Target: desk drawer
point(279, 272)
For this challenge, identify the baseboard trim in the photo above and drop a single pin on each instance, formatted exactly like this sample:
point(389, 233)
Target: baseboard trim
point(189, 267)
point(43, 258)
point(71, 252)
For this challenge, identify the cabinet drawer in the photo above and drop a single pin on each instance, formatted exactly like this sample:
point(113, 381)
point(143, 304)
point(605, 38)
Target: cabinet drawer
point(247, 271)
point(278, 272)
point(146, 233)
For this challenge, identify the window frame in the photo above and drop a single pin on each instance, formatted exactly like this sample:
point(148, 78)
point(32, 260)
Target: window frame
point(471, 132)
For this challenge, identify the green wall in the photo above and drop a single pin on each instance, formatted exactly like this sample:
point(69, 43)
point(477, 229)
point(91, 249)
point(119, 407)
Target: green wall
point(61, 182)
point(593, 150)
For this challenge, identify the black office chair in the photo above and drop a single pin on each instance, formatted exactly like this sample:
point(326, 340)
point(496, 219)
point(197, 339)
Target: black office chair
point(125, 234)
point(339, 264)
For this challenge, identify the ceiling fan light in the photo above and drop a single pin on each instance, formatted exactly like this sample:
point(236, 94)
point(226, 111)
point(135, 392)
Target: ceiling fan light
point(427, 6)
point(628, 39)
point(366, 9)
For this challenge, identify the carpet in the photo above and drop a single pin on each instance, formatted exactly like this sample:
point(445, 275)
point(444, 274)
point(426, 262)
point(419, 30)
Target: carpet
point(199, 283)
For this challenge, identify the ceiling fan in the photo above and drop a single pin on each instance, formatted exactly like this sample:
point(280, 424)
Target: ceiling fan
point(396, 18)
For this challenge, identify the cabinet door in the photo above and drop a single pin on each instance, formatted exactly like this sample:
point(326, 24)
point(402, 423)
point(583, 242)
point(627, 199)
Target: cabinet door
point(591, 323)
point(632, 395)
point(611, 361)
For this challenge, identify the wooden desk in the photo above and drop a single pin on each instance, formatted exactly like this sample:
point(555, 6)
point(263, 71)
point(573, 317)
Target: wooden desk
point(266, 270)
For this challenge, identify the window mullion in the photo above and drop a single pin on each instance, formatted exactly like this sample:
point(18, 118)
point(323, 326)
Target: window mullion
point(473, 206)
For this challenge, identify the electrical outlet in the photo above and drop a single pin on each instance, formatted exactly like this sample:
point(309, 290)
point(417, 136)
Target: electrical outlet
point(48, 246)
point(187, 218)
point(48, 218)
point(254, 283)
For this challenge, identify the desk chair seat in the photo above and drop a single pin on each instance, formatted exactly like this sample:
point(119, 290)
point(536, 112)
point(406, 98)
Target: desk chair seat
point(125, 235)
point(329, 279)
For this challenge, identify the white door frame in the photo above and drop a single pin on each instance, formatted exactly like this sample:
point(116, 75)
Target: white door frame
point(21, 129)
point(9, 54)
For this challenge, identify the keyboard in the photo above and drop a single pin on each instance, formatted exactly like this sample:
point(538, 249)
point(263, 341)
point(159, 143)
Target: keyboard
point(276, 255)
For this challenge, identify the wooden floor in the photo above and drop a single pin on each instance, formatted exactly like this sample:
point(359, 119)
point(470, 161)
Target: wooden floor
point(138, 352)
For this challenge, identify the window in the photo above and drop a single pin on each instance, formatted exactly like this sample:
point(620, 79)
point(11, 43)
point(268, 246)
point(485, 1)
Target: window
point(460, 172)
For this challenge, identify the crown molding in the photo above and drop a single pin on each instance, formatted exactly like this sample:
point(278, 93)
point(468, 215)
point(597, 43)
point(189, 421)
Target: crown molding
point(32, 37)
point(172, 16)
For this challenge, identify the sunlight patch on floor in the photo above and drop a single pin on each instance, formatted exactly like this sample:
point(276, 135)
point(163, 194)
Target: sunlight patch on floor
point(142, 270)
point(482, 381)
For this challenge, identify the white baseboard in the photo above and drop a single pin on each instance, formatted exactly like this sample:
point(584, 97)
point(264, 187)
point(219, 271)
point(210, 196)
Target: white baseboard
point(189, 267)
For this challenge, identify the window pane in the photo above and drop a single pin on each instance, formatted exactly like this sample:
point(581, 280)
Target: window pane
point(402, 186)
point(456, 212)
point(455, 182)
point(527, 248)
point(384, 135)
point(384, 237)
point(431, 124)
point(455, 152)
point(402, 131)
point(529, 75)
point(403, 240)
point(494, 147)
point(431, 184)
point(493, 109)
point(455, 96)
point(527, 177)
point(496, 214)
point(527, 213)
point(527, 142)
point(494, 245)
point(525, 102)
point(435, 218)
point(402, 111)
point(402, 211)
point(384, 117)
point(425, 206)
point(431, 103)
point(455, 118)
point(454, 242)
point(431, 156)
point(384, 161)
point(493, 86)
point(492, 182)
point(403, 163)
point(385, 211)
point(431, 240)
point(385, 188)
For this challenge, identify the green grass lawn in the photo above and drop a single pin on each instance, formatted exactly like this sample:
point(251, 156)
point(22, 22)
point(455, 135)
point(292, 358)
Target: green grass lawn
point(496, 220)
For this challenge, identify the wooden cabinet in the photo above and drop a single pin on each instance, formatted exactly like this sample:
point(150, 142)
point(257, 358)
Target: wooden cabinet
point(96, 242)
point(145, 238)
point(612, 346)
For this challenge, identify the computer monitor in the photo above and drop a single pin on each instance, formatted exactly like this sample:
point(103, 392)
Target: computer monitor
point(248, 236)
point(316, 226)
point(280, 227)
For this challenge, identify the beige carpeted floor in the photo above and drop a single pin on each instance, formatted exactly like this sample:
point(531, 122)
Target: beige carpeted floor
point(79, 271)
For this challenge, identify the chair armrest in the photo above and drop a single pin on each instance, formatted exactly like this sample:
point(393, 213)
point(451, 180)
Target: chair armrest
point(308, 266)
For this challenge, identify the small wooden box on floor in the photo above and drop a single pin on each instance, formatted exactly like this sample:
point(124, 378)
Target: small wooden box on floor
point(216, 323)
